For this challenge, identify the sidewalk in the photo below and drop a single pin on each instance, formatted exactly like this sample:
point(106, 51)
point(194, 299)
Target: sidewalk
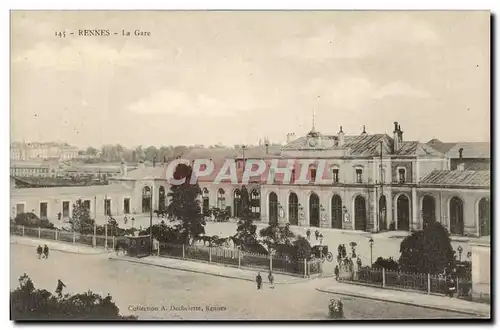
point(209, 269)
point(57, 246)
point(410, 298)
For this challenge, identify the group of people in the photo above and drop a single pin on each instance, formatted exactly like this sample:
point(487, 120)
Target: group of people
point(125, 220)
point(42, 252)
point(258, 279)
point(317, 234)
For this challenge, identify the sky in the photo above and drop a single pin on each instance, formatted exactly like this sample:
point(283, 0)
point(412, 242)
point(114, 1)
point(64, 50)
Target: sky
point(236, 77)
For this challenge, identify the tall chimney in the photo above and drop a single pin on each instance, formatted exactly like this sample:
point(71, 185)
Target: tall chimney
point(460, 153)
point(396, 137)
point(341, 137)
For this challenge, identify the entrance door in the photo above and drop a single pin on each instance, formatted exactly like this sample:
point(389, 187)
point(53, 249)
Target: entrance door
point(237, 203)
point(126, 205)
point(428, 210)
point(43, 210)
point(314, 210)
point(19, 208)
point(293, 209)
point(403, 215)
point(484, 217)
point(336, 212)
point(65, 212)
point(360, 213)
point(273, 208)
point(456, 216)
point(382, 215)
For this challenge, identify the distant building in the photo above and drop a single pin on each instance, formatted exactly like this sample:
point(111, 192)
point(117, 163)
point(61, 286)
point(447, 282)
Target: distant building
point(42, 151)
point(465, 155)
point(22, 168)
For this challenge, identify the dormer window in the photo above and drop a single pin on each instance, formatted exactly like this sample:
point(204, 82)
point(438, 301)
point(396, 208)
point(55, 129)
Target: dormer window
point(359, 175)
point(335, 175)
point(401, 175)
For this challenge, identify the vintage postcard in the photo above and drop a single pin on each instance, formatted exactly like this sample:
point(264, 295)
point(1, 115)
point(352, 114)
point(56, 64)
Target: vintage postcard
point(250, 165)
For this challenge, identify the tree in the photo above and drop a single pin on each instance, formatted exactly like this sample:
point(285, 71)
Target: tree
point(277, 234)
point(81, 220)
point(151, 153)
point(302, 248)
point(427, 251)
point(245, 203)
point(30, 219)
point(246, 234)
point(389, 264)
point(91, 151)
point(29, 303)
point(185, 206)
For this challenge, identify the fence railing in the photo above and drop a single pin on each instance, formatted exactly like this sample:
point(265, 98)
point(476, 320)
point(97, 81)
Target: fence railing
point(64, 236)
point(238, 258)
point(428, 283)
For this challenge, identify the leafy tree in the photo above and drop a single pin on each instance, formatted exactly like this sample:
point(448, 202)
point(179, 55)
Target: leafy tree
point(91, 151)
point(427, 251)
point(164, 233)
point(277, 234)
point(81, 220)
point(246, 233)
point(185, 205)
point(389, 264)
point(29, 303)
point(302, 248)
point(151, 153)
point(246, 213)
point(30, 219)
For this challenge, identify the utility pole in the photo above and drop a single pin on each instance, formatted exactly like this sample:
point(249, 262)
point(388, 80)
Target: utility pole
point(106, 221)
point(95, 221)
point(151, 223)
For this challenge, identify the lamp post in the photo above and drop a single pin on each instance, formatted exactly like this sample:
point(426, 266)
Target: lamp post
point(460, 250)
point(321, 245)
point(371, 251)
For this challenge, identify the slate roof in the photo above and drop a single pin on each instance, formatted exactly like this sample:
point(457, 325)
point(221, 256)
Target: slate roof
point(457, 178)
point(440, 146)
point(415, 148)
point(470, 150)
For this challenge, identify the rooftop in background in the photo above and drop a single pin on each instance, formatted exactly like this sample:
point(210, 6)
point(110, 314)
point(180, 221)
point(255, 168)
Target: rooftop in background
point(40, 182)
point(470, 149)
point(458, 178)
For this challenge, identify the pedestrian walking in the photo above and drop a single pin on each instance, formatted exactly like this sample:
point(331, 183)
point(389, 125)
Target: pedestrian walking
point(337, 272)
point(451, 286)
point(258, 279)
point(125, 220)
point(308, 234)
point(39, 251)
point(133, 221)
point(316, 234)
point(46, 251)
point(60, 286)
point(270, 277)
point(358, 261)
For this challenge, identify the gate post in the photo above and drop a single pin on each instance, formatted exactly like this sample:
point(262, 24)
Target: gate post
point(74, 237)
point(239, 258)
point(23, 229)
point(271, 261)
point(56, 234)
point(183, 252)
point(457, 285)
point(383, 277)
point(305, 267)
point(38, 232)
point(158, 252)
point(114, 238)
point(209, 254)
point(428, 283)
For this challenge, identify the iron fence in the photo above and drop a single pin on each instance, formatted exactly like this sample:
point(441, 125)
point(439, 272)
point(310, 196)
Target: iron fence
point(431, 284)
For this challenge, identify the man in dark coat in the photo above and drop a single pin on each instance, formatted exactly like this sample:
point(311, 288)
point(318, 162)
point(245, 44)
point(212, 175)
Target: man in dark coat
point(39, 251)
point(258, 279)
point(46, 251)
point(60, 286)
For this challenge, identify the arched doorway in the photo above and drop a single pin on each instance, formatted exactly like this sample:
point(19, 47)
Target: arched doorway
point(221, 199)
point(293, 209)
point(484, 217)
point(161, 198)
point(428, 210)
point(206, 201)
point(336, 212)
point(273, 208)
point(146, 199)
point(314, 210)
point(237, 203)
point(456, 216)
point(403, 212)
point(255, 203)
point(382, 213)
point(360, 213)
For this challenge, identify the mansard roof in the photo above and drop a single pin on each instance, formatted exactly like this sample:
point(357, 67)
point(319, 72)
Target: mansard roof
point(457, 178)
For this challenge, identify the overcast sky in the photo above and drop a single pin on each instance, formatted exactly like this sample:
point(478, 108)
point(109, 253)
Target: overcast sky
point(234, 77)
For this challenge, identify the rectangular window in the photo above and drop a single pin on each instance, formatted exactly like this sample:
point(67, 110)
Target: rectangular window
point(313, 175)
point(43, 210)
point(86, 204)
point(402, 175)
point(126, 205)
point(65, 212)
point(107, 207)
point(359, 175)
point(292, 179)
point(19, 208)
point(335, 175)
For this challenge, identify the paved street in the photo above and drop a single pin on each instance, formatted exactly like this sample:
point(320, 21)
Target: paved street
point(386, 244)
point(134, 285)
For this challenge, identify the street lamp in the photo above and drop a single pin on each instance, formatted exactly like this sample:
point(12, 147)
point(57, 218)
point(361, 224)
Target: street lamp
point(460, 250)
point(371, 251)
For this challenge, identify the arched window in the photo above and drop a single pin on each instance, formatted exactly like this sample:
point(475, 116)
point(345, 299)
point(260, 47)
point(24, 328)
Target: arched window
point(221, 199)
point(484, 216)
point(206, 201)
point(314, 210)
point(237, 203)
point(336, 212)
point(255, 202)
point(293, 209)
point(273, 208)
point(161, 198)
point(146, 199)
point(456, 216)
point(360, 213)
